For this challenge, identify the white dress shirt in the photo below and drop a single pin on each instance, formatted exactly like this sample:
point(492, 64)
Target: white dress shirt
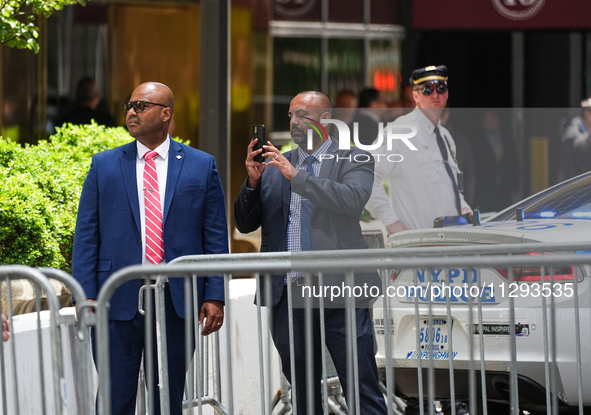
point(161, 161)
point(420, 187)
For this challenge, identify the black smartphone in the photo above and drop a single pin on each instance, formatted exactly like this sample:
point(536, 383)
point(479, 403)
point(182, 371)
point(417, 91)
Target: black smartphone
point(258, 131)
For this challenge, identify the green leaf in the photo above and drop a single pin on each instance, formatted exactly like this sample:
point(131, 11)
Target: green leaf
point(17, 20)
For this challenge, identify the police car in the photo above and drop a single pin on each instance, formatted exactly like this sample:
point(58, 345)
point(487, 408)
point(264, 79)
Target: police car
point(559, 214)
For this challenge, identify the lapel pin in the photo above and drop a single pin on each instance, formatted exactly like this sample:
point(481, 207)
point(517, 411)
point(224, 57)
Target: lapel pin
point(178, 157)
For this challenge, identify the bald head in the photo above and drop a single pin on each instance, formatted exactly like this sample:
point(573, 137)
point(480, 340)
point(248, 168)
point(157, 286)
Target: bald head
point(313, 99)
point(150, 125)
point(161, 92)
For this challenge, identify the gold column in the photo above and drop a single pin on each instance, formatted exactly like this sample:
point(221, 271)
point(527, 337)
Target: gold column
point(539, 164)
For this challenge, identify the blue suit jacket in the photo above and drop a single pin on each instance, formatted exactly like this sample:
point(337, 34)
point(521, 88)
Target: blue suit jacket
point(338, 194)
point(108, 235)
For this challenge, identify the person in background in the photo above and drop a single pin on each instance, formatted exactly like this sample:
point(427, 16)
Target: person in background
point(369, 114)
point(395, 110)
point(427, 183)
point(346, 100)
point(345, 105)
point(575, 150)
point(496, 166)
point(85, 110)
point(408, 100)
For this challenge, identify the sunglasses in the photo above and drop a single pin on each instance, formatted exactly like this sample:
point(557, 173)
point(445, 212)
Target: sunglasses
point(138, 106)
point(428, 89)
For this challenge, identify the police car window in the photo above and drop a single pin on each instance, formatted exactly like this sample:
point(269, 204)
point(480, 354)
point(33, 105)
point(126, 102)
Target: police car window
point(571, 201)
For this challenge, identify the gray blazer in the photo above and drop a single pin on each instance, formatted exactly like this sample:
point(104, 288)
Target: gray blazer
point(338, 195)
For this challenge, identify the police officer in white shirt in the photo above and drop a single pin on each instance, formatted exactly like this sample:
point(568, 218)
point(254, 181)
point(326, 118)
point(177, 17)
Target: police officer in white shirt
point(425, 183)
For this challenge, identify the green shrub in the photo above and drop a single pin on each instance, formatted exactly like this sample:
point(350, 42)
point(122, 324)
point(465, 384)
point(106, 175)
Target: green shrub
point(27, 223)
point(39, 192)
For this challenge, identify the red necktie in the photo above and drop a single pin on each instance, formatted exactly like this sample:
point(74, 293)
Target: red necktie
point(154, 234)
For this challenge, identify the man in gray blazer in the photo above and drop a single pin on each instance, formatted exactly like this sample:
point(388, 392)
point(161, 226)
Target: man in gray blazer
point(314, 203)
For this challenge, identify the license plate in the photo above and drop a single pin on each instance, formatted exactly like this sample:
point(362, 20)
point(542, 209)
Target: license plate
point(435, 338)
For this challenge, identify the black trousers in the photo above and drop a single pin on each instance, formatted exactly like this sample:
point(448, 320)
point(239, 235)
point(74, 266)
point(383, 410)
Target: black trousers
point(126, 343)
point(371, 398)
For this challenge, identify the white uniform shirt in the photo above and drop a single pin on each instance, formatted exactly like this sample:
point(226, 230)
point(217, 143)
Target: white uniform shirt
point(420, 187)
point(161, 161)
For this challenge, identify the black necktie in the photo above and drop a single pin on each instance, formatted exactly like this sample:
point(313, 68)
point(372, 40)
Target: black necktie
point(306, 217)
point(443, 150)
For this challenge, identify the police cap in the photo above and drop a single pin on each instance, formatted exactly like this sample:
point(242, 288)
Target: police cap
point(429, 75)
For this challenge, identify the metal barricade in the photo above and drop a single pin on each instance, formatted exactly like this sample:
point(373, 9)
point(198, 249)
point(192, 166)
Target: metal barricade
point(81, 342)
point(542, 364)
point(497, 355)
point(50, 397)
point(207, 382)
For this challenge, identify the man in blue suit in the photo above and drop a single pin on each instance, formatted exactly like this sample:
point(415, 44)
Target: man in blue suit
point(337, 184)
point(147, 202)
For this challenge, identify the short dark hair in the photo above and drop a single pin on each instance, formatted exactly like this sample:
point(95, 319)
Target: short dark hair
point(367, 96)
point(85, 90)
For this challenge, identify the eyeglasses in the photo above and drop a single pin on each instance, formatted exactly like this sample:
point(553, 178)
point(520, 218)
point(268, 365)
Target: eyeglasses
point(138, 106)
point(428, 89)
